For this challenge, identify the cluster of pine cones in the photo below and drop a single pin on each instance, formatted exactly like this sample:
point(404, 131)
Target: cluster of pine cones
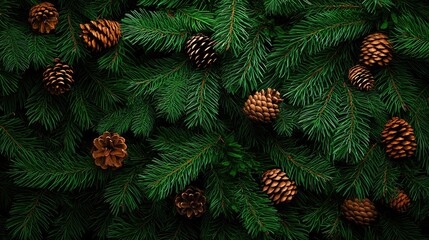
point(376, 50)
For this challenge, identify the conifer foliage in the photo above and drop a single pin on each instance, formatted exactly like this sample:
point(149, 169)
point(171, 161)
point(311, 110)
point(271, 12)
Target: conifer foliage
point(159, 119)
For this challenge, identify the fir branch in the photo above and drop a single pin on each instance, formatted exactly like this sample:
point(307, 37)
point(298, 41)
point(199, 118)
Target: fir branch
point(8, 83)
point(40, 50)
point(402, 228)
point(314, 34)
point(351, 137)
point(203, 101)
point(183, 157)
point(257, 216)
point(13, 48)
point(419, 113)
point(373, 5)
point(71, 135)
point(291, 226)
point(286, 121)
point(311, 171)
point(32, 214)
point(163, 3)
point(386, 180)
point(154, 30)
point(123, 193)
point(58, 171)
point(135, 226)
point(149, 77)
point(248, 71)
point(143, 119)
point(411, 36)
point(219, 194)
point(232, 24)
point(44, 108)
point(221, 228)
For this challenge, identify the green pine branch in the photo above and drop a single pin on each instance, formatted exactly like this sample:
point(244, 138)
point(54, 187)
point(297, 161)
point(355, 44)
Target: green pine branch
point(411, 36)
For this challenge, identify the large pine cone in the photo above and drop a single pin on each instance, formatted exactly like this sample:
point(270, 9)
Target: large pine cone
point(191, 202)
point(361, 212)
point(43, 17)
point(200, 50)
point(263, 106)
point(100, 34)
point(361, 77)
point(400, 203)
point(376, 50)
point(278, 186)
point(109, 150)
point(398, 137)
point(58, 79)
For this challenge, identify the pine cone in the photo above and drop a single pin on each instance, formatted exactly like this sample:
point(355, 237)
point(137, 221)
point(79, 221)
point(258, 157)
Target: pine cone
point(398, 137)
point(58, 79)
point(109, 150)
point(361, 77)
point(43, 17)
point(200, 50)
point(100, 34)
point(376, 50)
point(400, 203)
point(361, 212)
point(191, 202)
point(278, 186)
point(263, 106)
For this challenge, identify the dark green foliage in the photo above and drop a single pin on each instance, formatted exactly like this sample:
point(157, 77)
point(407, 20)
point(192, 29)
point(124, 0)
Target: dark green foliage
point(185, 126)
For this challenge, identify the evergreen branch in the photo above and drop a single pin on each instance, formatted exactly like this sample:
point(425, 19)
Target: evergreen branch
point(257, 216)
point(314, 34)
point(61, 171)
point(232, 24)
point(221, 228)
point(163, 3)
point(203, 101)
point(219, 194)
point(154, 30)
point(40, 50)
point(386, 180)
point(291, 226)
point(143, 119)
point(351, 137)
point(411, 36)
point(123, 193)
point(32, 214)
point(295, 161)
point(183, 157)
point(44, 108)
point(151, 76)
point(8, 83)
point(249, 69)
point(419, 113)
point(81, 109)
point(13, 48)
point(373, 5)
point(286, 121)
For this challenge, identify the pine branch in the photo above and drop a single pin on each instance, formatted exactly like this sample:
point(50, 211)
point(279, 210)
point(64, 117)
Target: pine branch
point(219, 194)
point(311, 171)
point(183, 157)
point(13, 48)
point(248, 71)
point(411, 36)
point(8, 83)
point(123, 193)
point(40, 50)
point(60, 171)
point(222, 229)
point(232, 24)
point(257, 216)
point(373, 5)
point(286, 121)
point(163, 3)
point(314, 34)
point(203, 101)
point(31, 215)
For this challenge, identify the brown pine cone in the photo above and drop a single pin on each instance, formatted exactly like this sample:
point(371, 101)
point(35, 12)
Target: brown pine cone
point(278, 186)
point(100, 34)
point(58, 79)
point(361, 212)
point(361, 77)
point(191, 202)
point(263, 106)
point(400, 203)
point(398, 138)
point(376, 50)
point(109, 150)
point(200, 50)
point(43, 17)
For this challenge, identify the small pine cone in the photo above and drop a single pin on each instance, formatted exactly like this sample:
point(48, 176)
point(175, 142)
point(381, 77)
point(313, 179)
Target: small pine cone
point(100, 34)
point(43, 17)
point(361, 77)
point(376, 50)
point(58, 79)
point(361, 212)
point(191, 202)
point(400, 203)
point(278, 186)
point(398, 138)
point(200, 50)
point(109, 150)
point(263, 106)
